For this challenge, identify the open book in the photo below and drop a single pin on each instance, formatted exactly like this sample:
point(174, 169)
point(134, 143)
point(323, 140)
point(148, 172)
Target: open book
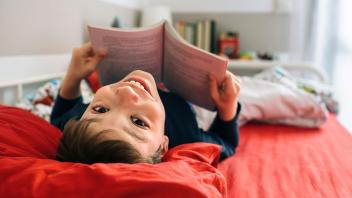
point(161, 51)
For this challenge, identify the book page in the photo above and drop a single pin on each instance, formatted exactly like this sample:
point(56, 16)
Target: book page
point(128, 50)
point(186, 69)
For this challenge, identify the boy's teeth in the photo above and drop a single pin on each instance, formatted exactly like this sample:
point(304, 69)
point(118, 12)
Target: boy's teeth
point(137, 83)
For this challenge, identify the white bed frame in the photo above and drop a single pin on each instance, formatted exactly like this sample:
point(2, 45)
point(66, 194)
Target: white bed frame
point(20, 72)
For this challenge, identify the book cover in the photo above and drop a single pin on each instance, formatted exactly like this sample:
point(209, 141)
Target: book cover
point(161, 51)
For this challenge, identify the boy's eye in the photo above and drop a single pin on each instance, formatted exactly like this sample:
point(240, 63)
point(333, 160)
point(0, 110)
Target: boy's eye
point(100, 109)
point(138, 122)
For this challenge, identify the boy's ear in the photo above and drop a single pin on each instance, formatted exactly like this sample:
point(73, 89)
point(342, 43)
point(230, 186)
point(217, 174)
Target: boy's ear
point(164, 145)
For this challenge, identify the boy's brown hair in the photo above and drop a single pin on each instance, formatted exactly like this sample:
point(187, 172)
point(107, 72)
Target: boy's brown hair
point(78, 145)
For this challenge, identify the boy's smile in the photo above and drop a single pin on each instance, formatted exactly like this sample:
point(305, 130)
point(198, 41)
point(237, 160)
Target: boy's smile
point(132, 110)
point(140, 83)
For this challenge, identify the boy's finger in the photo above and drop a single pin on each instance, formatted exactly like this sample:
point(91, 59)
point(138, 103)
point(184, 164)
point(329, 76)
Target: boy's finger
point(228, 83)
point(213, 88)
point(86, 47)
point(102, 52)
point(224, 82)
point(236, 80)
point(84, 51)
point(93, 61)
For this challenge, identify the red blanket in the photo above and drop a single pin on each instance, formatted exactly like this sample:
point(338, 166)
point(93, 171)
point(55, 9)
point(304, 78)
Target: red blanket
point(280, 161)
point(27, 169)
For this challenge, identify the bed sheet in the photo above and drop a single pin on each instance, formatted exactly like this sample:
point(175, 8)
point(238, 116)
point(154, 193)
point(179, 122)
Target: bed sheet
point(282, 161)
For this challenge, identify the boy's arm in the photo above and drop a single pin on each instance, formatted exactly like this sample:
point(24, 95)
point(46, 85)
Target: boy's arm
point(224, 133)
point(83, 62)
point(64, 110)
point(225, 126)
point(227, 130)
point(69, 101)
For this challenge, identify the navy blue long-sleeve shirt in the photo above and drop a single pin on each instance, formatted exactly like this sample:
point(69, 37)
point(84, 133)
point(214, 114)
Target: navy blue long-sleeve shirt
point(180, 123)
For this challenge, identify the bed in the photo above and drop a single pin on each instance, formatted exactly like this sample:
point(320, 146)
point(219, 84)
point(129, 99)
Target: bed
point(271, 161)
point(283, 161)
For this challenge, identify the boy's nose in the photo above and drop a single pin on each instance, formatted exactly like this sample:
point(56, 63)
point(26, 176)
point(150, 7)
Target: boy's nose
point(127, 95)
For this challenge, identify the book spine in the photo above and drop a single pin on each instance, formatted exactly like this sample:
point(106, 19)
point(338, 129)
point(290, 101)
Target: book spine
point(213, 38)
point(194, 27)
point(199, 34)
point(180, 28)
point(183, 29)
point(177, 26)
point(207, 37)
point(189, 33)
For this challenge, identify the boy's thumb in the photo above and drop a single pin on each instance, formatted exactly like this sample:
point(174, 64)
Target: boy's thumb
point(102, 52)
point(213, 88)
point(97, 57)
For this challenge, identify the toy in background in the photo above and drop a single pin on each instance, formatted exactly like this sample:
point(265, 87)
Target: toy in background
point(41, 101)
point(116, 23)
point(266, 55)
point(246, 55)
point(93, 81)
point(229, 44)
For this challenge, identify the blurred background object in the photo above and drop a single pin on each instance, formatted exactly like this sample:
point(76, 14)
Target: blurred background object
point(151, 15)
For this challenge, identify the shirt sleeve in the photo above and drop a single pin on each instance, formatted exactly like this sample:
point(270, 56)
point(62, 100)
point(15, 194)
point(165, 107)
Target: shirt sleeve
point(65, 110)
point(181, 126)
point(227, 131)
point(224, 133)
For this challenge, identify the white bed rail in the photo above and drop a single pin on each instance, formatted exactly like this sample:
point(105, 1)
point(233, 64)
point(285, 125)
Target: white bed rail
point(249, 68)
point(17, 71)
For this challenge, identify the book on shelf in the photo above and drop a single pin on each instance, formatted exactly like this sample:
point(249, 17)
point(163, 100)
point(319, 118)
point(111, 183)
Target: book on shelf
point(201, 33)
point(161, 51)
point(187, 31)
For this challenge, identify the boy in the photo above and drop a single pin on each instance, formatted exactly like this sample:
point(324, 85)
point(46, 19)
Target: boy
point(126, 121)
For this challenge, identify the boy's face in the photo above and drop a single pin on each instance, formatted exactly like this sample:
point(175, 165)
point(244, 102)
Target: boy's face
point(134, 113)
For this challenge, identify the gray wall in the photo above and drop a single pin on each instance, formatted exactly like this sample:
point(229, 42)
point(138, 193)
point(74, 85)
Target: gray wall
point(51, 26)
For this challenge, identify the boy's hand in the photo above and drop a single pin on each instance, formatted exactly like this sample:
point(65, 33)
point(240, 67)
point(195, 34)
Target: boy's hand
point(225, 94)
point(83, 62)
